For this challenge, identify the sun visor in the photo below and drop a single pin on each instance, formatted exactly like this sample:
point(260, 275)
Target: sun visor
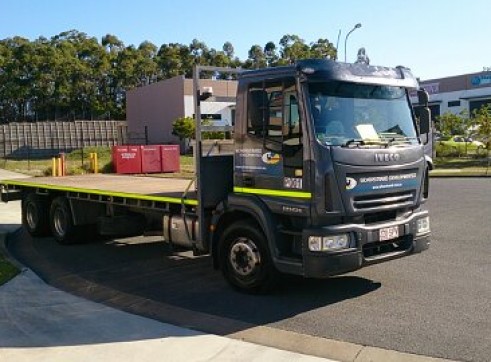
point(326, 70)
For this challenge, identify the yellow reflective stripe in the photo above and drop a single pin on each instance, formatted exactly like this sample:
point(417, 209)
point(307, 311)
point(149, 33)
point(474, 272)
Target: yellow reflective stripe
point(269, 192)
point(172, 200)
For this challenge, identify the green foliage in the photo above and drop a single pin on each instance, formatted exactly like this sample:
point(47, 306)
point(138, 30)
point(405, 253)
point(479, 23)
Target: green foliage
point(482, 117)
point(450, 124)
point(7, 270)
point(183, 128)
point(102, 153)
point(75, 76)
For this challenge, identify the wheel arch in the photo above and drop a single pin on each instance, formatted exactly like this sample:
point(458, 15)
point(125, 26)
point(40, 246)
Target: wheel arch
point(239, 207)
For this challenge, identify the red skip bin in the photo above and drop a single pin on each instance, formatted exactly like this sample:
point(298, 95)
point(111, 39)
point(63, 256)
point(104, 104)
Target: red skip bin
point(127, 159)
point(151, 159)
point(170, 158)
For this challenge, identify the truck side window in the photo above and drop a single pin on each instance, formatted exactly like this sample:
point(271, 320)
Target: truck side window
point(292, 127)
point(273, 111)
point(257, 103)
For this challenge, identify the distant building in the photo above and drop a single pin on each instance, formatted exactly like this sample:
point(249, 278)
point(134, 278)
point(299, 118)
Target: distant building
point(454, 94)
point(157, 105)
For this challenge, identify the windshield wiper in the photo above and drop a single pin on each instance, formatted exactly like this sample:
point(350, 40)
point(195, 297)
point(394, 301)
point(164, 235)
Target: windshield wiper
point(354, 142)
point(357, 142)
point(399, 140)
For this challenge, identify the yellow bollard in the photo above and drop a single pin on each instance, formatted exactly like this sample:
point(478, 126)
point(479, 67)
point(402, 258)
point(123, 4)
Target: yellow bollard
point(96, 163)
point(58, 167)
point(53, 167)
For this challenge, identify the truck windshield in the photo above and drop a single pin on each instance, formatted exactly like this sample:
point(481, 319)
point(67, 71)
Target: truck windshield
point(361, 115)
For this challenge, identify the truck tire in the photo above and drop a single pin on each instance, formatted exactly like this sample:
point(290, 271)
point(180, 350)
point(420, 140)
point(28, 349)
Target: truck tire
point(245, 260)
point(35, 214)
point(61, 222)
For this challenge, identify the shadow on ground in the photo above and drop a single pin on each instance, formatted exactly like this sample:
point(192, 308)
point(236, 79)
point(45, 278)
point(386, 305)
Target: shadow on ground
point(142, 276)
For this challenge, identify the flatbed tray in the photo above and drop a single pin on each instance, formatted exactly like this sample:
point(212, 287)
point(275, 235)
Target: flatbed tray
point(136, 187)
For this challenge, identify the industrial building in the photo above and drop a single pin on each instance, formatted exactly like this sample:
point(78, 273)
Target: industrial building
point(458, 93)
point(151, 110)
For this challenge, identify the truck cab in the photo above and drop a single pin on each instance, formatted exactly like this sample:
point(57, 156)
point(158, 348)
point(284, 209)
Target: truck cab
point(330, 173)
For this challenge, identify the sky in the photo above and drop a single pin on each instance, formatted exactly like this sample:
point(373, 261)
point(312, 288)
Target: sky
point(435, 38)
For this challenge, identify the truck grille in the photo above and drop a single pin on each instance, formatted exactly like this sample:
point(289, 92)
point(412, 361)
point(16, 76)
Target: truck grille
point(386, 200)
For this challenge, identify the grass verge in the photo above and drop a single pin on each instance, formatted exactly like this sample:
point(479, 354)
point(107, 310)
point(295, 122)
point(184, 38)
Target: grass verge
point(7, 270)
point(458, 166)
point(79, 163)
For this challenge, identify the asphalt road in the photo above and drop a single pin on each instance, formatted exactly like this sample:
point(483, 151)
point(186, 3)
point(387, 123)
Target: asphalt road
point(437, 303)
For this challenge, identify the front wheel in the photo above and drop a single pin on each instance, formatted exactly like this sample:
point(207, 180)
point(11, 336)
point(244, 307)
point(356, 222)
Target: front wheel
point(245, 260)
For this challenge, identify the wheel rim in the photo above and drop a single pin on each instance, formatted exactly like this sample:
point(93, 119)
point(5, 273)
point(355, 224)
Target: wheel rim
point(244, 257)
point(32, 216)
point(60, 222)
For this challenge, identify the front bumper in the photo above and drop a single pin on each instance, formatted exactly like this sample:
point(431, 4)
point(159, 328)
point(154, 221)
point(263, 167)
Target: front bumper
point(366, 249)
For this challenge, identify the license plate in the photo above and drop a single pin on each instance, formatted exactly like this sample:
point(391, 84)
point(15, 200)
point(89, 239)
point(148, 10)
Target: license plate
point(389, 233)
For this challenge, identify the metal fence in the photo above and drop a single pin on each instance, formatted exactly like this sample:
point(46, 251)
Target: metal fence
point(46, 139)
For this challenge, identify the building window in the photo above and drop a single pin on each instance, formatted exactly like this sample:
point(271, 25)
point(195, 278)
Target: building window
point(454, 104)
point(211, 116)
point(475, 105)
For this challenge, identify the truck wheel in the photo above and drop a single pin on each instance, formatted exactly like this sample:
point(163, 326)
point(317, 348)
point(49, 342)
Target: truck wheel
point(244, 258)
point(61, 222)
point(35, 215)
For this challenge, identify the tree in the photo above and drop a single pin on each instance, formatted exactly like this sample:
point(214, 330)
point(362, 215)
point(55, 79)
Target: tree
point(293, 48)
point(270, 53)
point(482, 117)
point(455, 124)
point(184, 128)
point(256, 58)
point(228, 49)
point(199, 51)
point(323, 48)
point(112, 43)
point(450, 123)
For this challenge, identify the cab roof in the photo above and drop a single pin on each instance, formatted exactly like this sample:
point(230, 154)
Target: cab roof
point(326, 70)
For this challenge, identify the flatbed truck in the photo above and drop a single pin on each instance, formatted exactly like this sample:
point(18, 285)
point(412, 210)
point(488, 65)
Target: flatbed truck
point(328, 175)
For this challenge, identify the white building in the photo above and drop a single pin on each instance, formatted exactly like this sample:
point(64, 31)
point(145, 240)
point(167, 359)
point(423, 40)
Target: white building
point(455, 94)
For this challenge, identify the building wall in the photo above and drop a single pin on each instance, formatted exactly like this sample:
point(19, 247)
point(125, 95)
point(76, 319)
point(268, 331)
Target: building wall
point(458, 93)
point(221, 88)
point(224, 109)
point(156, 106)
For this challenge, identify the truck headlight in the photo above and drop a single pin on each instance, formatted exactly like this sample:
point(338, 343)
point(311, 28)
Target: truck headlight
point(327, 243)
point(423, 226)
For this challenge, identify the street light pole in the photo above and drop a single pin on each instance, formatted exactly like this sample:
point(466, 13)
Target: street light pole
point(357, 26)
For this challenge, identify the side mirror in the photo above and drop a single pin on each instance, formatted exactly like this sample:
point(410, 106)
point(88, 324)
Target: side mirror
point(423, 97)
point(424, 120)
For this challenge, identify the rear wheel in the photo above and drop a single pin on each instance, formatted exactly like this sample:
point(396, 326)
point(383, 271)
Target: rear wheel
point(61, 222)
point(245, 260)
point(35, 214)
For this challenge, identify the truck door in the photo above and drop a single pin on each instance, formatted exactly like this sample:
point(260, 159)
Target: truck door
point(271, 156)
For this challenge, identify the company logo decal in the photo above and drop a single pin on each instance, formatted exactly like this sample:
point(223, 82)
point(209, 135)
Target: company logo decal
point(271, 158)
point(350, 183)
point(381, 182)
